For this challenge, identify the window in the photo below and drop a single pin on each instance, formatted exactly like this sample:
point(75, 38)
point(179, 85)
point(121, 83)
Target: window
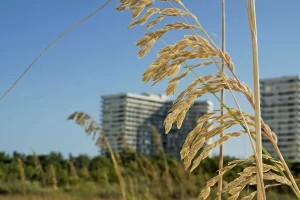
point(285, 93)
point(267, 94)
point(268, 88)
point(268, 118)
point(291, 157)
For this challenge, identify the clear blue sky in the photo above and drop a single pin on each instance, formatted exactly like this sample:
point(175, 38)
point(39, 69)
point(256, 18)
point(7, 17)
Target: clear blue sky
point(100, 57)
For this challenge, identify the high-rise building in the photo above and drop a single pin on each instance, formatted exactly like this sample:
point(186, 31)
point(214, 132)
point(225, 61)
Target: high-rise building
point(280, 108)
point(132, 115)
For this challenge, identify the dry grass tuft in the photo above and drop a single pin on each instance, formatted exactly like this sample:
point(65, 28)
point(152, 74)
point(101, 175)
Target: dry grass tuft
point(72, 169)
point(52, 174)
point(39, 168)
point(21, 174)
point(159, 146)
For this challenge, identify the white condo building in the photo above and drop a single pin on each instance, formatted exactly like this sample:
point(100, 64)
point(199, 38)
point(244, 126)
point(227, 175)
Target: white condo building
point(133, 114)
point(280, 108)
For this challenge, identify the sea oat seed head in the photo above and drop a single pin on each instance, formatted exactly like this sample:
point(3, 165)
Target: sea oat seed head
point(147, 48)
point(250, 196)
point(234, 197)
point(171, 89)
point(137, 10)
point(204, 193)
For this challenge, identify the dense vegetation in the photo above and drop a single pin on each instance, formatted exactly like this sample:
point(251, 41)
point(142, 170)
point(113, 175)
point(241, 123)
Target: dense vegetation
point(86, 177)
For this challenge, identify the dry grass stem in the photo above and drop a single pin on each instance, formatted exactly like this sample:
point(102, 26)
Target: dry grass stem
point(117, 169)
point(125, 145)
point(151, 171)
point(51, 44)
point(92, 128)
point(21, 174)
point(158, 145)
point(260, 187)
point(220, 183)
point(72, 169)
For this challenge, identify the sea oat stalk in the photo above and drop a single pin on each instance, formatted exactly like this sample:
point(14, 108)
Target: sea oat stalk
point(260, 191)
point(117, 168)
point(221, 159)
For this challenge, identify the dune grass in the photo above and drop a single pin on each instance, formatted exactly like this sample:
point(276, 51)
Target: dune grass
point(200, 46)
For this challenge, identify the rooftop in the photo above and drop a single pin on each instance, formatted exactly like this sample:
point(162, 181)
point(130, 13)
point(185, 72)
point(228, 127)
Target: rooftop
point(148, 96)
point(281, 78)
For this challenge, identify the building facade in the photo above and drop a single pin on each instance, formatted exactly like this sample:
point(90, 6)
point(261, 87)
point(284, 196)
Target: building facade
point(280, 109)
point(134, 115)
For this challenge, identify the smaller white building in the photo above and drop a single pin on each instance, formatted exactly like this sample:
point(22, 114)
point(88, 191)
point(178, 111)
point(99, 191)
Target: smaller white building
point(280, 108)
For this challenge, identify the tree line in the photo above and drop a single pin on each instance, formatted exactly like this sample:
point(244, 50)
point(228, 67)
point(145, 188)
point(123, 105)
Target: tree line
point(21, 173)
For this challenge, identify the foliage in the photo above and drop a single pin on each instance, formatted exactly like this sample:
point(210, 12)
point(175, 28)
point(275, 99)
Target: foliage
point(102, 180)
